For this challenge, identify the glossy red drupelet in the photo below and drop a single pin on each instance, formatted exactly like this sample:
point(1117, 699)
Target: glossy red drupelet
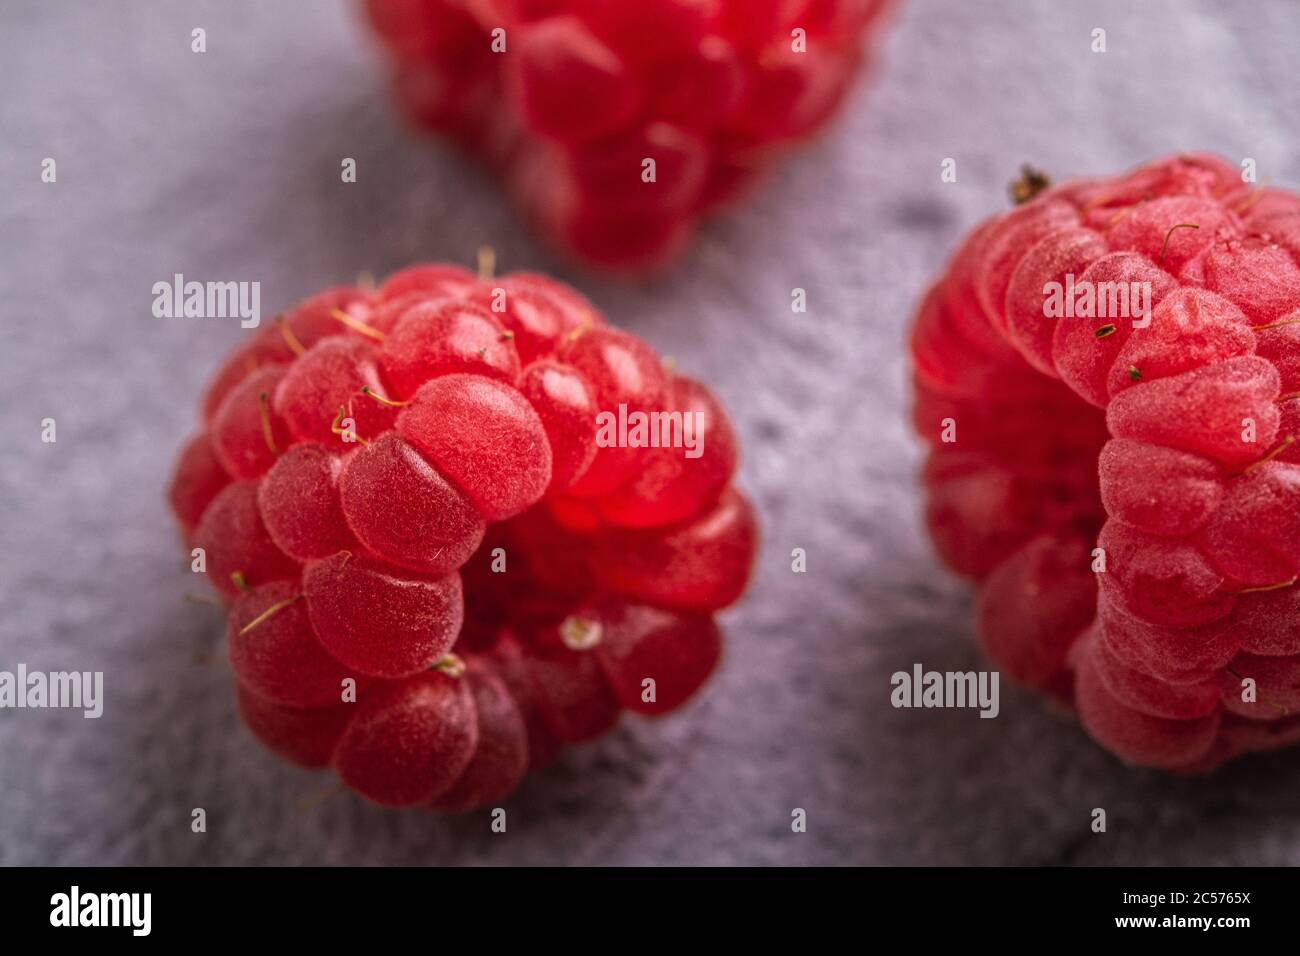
point(1160, 440)
point(410, 489)
point(568, 99)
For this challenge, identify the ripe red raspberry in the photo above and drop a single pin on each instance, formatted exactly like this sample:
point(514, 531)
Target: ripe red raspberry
point(407, 487)
point(1165, 439)
point(567, 99)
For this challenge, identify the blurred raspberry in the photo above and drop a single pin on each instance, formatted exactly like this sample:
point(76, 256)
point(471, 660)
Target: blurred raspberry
point(568, 99)
point(1164, 437)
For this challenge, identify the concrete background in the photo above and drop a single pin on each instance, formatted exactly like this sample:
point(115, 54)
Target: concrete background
point(226, 165)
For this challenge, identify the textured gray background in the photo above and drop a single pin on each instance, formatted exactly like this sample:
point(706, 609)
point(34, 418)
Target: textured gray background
point(225, 166)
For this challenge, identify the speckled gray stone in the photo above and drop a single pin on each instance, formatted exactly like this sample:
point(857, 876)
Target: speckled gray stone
point(226, 166)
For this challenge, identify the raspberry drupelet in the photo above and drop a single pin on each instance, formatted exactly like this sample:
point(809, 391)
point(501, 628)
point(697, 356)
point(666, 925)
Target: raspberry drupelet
point(1125, 488)
point(405, 487)
point(567, 100)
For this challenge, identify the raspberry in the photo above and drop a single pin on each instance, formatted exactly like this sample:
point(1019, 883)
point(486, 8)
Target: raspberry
point(299, 503)
point(501, 757)
point(275, 652)
point(585, 91)
point(378, 619)
point(400, 506)
point(644, 643)
point(303, 736)
point(364, 467)
point(239, 551)
point(1164, 436)
point(197, 480)
point(485, 437)
point(409, 742)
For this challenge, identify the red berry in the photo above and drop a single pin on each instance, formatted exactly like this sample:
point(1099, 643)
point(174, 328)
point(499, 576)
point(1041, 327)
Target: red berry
point(648, 31)
point(501, 757)
point(655, 660)
point(409, 741)
point(1136, 736)
point(700, 565)
point(566, 84)
point(401, 507)
point(280, 342)
point(585, 92)
point(438, 337)
point(676, 482)
point(564, 402)
point(1276, 694)
point(533, 320)
point(575, 309)
point(572, 694)
point(485, 437)
point(248, 433)
point(513, 668)
point(306, 737)
point(435, 281)
point(599, 171)
point(299, 503)
point(238, 550)
point(625, 377)
point(196, 481)
point(378, 620)
point(275, 652)
point(1132, 564)
point(327, 381)
point(701, 87)
point(419, 515)
point(317, 318)
point(1033, 607)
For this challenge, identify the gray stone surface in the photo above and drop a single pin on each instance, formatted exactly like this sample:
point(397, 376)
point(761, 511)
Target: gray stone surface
point(225, 165)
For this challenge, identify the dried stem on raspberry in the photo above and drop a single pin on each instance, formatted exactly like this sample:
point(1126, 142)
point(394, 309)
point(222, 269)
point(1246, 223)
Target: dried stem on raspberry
point(295, 345)
point(1289, 397)
point(337, 428)
point(1031, 182)
point(1165, 245)
point(1115, 219)
point(356, 325)
point(1274, 325)
point(1280, 586)
point(580, 633)
point(264, 410)
point(577, 333)
point(1256, 195)
point(270, 612)
point(1282, 446)
point(382, 400)
point(240, 582)
point(453, 665)
point(487, 263)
